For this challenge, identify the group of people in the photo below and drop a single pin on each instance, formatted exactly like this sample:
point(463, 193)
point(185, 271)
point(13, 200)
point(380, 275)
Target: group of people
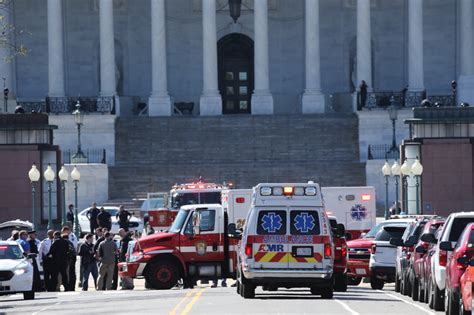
point(102, 218)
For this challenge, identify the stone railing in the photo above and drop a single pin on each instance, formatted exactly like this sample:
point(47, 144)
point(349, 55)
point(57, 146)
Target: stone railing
point(91, 156)
point(66, 105)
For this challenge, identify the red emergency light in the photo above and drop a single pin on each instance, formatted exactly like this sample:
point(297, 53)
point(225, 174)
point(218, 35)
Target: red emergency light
point(240, 200)
point(366, 197)
point(3, 247)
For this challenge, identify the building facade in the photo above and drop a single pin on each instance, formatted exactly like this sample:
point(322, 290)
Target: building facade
point(280, 57)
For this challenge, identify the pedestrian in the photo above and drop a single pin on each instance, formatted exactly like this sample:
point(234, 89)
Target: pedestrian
point(15, 236)
point(45, 261)
point(88, 262)
point(92, 214)
point(23, 241)
point(34, 249)
point(123, 217)
point(104, 219)
point(59, 259)
point(106, 253)
point(70, 235)
point(125, 239)
point(99, 235)
point(72, 256)
point(363, 94)
point(70, 216)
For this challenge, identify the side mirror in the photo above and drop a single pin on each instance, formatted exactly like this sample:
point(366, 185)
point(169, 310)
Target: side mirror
point(348, 236)
point(232, 231)
point(464, 260)
point(446, 245)
point(340, 230)
point(411, 241)
point(31, 256)
point(420, 249)
point(196, 222)
point(429, 238)
point(396, 242)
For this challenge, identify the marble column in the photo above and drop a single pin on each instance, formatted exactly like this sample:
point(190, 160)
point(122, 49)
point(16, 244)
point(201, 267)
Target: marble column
point(415, 49)
point(262, 99)
point(108, 82)
point(364, 44)
point(465, 90)
point(7, 60)
point(313, 99)
point(159, 103)
point(55, 49)
point(211, 101)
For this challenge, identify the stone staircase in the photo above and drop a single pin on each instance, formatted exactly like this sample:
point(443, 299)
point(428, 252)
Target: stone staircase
point(153, 153)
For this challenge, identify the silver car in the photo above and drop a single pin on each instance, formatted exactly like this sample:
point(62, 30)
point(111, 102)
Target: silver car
point(135, 224)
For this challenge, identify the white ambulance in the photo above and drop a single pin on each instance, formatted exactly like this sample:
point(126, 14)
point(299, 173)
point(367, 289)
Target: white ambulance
point(286, 241)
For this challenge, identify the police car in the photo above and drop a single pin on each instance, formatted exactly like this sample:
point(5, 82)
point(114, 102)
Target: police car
point(16, 270)
point(286, 241)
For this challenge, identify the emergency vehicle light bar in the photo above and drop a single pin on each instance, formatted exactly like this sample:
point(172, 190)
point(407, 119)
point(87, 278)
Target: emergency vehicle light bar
point(288, 191)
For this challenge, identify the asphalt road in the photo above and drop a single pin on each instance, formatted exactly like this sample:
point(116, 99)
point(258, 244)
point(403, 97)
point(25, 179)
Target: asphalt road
point(206, 300)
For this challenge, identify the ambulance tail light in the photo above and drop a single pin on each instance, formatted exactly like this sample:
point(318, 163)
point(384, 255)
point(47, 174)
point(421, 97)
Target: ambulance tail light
point(344, 250)
point(248, 250)
point(327, 250)
point(443, 258)
point(366, 197)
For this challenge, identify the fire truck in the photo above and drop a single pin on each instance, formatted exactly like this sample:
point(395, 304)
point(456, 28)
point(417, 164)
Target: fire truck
point(198, 245)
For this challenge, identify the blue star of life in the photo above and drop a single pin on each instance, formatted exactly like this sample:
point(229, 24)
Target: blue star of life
point(304, 222)
point(271, 222)
point(358, 212)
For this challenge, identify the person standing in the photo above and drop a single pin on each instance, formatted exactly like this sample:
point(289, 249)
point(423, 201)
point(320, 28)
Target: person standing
point(45, 261)
point(123, 217)
point(92, 214)
point(104, 219)
point(127, 282)
point(106, 253)
point(15, 236)
point(34, 249)
point(363, 88)
point(70, 216)
point(23, 241)
point(88, 262)
point(59, 259)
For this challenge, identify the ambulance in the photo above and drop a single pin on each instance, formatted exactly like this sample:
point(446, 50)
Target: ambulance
point(352, 206)
point(286, 241)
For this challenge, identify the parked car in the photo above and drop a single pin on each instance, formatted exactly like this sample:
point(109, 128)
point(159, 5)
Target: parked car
point(452, 229)
point(422, 258)
point(135, 223)
point(456, 266)
point(359, 252)
point(16, 270)
point(340, 255)
point(383, 255)
point(466, 285)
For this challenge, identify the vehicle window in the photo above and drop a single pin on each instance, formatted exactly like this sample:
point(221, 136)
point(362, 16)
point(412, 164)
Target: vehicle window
point(179, 221)
point(10, 252)
point(373, 232)
point(304, 222)
point(389, 232)
point(333, 223)
point(271, 222)
point(207, 220)
point(408, 231)
point(210, 197)
point(470, 242)
point(183, 199)
point(459, 224)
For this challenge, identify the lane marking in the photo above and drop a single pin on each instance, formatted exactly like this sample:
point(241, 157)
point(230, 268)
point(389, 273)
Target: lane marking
point(346, 307)
point(176, 308)
point(189, 306)
point(408, 302)
point(45, 308)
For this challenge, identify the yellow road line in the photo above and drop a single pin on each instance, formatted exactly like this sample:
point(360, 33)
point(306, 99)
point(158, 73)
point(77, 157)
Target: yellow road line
point(176, 308)
point(189, 306)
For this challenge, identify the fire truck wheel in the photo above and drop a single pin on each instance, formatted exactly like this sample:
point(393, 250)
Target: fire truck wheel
point(162, 275)
point(354, 280)
point(376, 283)
point(340, 282)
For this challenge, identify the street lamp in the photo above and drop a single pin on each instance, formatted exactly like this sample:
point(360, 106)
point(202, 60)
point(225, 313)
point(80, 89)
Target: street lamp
point(234, 9)
point(78, 118)
point(34, 176)
point(49, 176)
point(417, 170)
point(393, 114)
point(406, 171)
point(386, 171)
point(76, 176)
point(396, 172)
point(64, 176)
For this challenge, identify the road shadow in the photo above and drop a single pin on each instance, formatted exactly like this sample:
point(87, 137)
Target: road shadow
point(282, 296)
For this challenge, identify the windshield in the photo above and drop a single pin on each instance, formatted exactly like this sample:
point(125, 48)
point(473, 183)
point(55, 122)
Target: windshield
point(373, 232)
point(153, 203)
point(179, 221)
point(183, 199)
point(458, 226)
point(10, 252)
point(390, 232)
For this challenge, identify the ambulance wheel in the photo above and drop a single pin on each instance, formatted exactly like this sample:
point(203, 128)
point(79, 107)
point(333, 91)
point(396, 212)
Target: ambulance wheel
point(327, 293)
point(30, 295)
point(162, 275)
point(354, 280)
point(340, 282)
point(376, 283)
point(315, 291)
point(247, 290)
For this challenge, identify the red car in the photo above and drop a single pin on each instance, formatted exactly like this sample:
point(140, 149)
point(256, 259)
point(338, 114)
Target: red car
point(456, 266)
point(420, 259)
point(467, 281)
point(340, 255)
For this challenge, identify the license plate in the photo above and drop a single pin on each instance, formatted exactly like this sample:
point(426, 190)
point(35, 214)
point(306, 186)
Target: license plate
point(300, 251)
point(360, 271)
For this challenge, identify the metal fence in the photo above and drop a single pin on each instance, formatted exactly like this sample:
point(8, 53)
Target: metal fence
point(93, 156)
point(383, 100)
point(66, 105)
point(381, 152)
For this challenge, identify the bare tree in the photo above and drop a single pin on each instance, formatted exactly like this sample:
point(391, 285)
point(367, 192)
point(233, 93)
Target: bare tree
point(9, 35)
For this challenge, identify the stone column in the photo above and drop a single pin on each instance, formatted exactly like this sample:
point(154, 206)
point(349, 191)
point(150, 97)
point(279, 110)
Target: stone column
point(364, 44)
point(55, 49)
point(7, 59)
point(466, 63)
point(262, 99)
point(416, 83)
point(159, 103)
point(211, 101)
point(313, 99)
point(108, 82)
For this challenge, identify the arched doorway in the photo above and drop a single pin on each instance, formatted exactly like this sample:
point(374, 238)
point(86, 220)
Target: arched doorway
point(236, 73)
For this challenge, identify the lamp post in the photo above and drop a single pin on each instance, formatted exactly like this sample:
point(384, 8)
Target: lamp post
point(64, 176)
point(78, 118)
point(406, 171)
point(396, 172)
point(386, 171)
point(49, 176)
point(234, 9)
point(454, 86)
point(417, 170)
point(393, 114)
point(76, 176)
point(34, 176)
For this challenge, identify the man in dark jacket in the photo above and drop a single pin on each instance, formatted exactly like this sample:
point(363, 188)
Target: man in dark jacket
point(34, 249)
point(88, 262)
point(58, 253)
point(123, 217)
point(105, 219)
point(127, 283)
point(92, 214)
point(70, 216)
